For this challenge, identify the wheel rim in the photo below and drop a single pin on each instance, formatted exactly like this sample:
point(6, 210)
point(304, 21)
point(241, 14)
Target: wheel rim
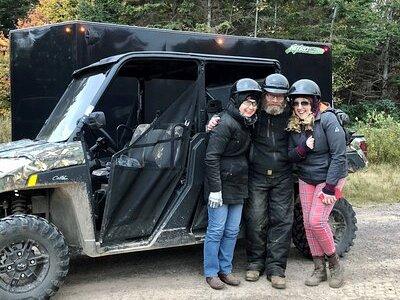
point(23, 266)
point(338, 225)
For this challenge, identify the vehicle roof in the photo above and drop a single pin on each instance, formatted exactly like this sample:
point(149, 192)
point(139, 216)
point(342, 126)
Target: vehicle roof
point(176, 55)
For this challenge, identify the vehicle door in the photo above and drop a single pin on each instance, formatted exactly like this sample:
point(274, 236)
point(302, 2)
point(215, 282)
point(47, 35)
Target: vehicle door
point(145, 174)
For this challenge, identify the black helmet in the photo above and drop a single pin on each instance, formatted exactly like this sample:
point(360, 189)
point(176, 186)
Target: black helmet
point(243, 88)
point(275, 83)
point(305, 87)
point(245, 85)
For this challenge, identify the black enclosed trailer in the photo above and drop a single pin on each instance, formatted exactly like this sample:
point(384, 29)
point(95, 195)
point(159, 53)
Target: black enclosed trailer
point(43, 59)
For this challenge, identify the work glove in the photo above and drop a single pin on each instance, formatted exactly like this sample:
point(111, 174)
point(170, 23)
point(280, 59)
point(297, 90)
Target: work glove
point(215, 199)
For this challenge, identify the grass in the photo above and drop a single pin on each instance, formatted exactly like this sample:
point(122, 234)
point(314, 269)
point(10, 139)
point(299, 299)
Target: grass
point(379, 183)
point(5, 128)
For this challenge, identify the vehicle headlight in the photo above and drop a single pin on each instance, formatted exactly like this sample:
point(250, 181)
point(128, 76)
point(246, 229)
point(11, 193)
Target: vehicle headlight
point(10, 166)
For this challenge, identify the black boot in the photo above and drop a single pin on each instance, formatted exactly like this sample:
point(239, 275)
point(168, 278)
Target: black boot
point(336, 271)
point(319, 273)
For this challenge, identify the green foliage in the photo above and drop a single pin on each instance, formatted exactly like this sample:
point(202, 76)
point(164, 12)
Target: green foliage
point(100, 10)
point(363, 111)
point(4, 83)
point(49, 11)
point(382, 132)
point(11, 11)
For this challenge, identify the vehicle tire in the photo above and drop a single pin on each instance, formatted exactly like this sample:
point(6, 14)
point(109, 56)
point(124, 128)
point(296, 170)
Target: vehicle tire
point(342, 221)
point(34, 258)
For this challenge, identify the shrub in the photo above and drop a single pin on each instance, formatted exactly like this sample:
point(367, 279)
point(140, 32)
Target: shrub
point(5, 125)
point(4, 74)
point(361, 110)
point(382, 132)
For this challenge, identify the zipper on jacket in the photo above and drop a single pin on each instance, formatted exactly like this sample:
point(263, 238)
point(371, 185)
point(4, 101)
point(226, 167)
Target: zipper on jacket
point(273, 143)
point(269, 126)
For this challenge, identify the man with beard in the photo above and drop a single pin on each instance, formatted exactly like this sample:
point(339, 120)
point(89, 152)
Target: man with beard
point(268, 213)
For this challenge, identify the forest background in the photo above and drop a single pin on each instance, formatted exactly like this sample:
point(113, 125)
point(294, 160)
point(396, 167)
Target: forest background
point(365, 38)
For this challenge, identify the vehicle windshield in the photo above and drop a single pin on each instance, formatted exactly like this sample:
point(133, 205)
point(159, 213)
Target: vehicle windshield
point(73, 105)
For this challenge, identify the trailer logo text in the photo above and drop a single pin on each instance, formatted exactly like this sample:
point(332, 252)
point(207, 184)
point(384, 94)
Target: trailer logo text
point(304, 49)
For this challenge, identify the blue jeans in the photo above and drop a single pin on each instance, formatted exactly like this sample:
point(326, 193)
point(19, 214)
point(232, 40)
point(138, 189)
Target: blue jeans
point(219, 244)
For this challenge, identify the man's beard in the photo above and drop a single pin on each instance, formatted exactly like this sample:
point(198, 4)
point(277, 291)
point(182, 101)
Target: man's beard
point(275, 110)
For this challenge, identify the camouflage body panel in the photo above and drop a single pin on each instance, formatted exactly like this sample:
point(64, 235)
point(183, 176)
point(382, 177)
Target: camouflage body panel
point(20, 159)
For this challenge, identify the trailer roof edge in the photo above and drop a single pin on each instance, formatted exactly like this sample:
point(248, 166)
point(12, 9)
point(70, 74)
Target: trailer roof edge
point(73, 22)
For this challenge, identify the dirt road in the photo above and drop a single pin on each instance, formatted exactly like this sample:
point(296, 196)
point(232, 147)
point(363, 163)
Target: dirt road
point(372, 270)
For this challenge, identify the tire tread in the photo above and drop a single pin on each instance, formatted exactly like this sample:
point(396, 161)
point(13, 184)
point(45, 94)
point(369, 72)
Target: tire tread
point(298, 233)
point(9, 225)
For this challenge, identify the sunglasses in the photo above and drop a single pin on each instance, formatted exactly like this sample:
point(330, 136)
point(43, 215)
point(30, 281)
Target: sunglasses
point(302, 103)
point(248, 103)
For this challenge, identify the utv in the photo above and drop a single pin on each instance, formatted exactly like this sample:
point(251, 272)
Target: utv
point(118, 167)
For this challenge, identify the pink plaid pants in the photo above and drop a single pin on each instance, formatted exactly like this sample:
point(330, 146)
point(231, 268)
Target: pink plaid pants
point(315, 216)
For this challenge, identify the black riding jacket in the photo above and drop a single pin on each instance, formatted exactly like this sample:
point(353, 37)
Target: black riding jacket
point(269, 150)
point(226, 157)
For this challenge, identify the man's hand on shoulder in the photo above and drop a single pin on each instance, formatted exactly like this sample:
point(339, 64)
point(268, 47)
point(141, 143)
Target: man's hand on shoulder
point(214, 121)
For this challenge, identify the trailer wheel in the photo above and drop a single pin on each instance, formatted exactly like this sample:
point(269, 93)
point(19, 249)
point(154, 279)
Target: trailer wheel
point(34, 258)
point(342, 221)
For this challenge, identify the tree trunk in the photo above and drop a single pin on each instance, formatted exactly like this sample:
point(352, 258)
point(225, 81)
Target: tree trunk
point(335, 10)
point(386, 57)
point(385, 73)
point(256, 20)
point(209, 13)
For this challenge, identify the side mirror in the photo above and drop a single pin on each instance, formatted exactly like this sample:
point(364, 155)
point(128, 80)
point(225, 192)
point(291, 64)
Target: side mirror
point(95, 120)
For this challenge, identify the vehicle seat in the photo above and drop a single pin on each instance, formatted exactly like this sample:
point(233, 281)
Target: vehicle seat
point(162, 152)
point(138, 132)
point(159, 154)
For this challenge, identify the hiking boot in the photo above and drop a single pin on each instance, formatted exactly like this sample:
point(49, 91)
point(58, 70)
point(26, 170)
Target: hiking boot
point(215, 283)
point(252, 275)
point(277, 282)
point(319, 273)
point(336, 279)
point(229, 279)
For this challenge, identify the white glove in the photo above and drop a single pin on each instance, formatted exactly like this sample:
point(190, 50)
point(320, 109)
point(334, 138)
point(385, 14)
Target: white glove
point(215, 199)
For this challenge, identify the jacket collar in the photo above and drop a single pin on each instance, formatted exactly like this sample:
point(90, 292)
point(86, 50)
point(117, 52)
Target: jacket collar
point(322, 107)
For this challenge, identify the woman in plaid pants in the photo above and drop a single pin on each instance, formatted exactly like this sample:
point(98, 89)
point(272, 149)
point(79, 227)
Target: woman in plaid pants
point(317, 144)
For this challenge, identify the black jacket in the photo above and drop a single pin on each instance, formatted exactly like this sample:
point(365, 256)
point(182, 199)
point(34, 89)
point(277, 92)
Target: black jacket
point(268, 153)
point(226, 157)
point(327, 162)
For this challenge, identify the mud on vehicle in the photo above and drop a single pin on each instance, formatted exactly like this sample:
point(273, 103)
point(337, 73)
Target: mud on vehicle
point(118, 167)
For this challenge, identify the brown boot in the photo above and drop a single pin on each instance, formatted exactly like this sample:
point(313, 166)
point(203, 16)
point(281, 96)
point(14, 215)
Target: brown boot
point(278, 282)
point(215, 283)
point(336, 279)
point(319, 273)
point(229, 279)
point(252, 275)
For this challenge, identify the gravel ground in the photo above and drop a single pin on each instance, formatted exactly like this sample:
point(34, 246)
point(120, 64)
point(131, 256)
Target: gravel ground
point(372, 270)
